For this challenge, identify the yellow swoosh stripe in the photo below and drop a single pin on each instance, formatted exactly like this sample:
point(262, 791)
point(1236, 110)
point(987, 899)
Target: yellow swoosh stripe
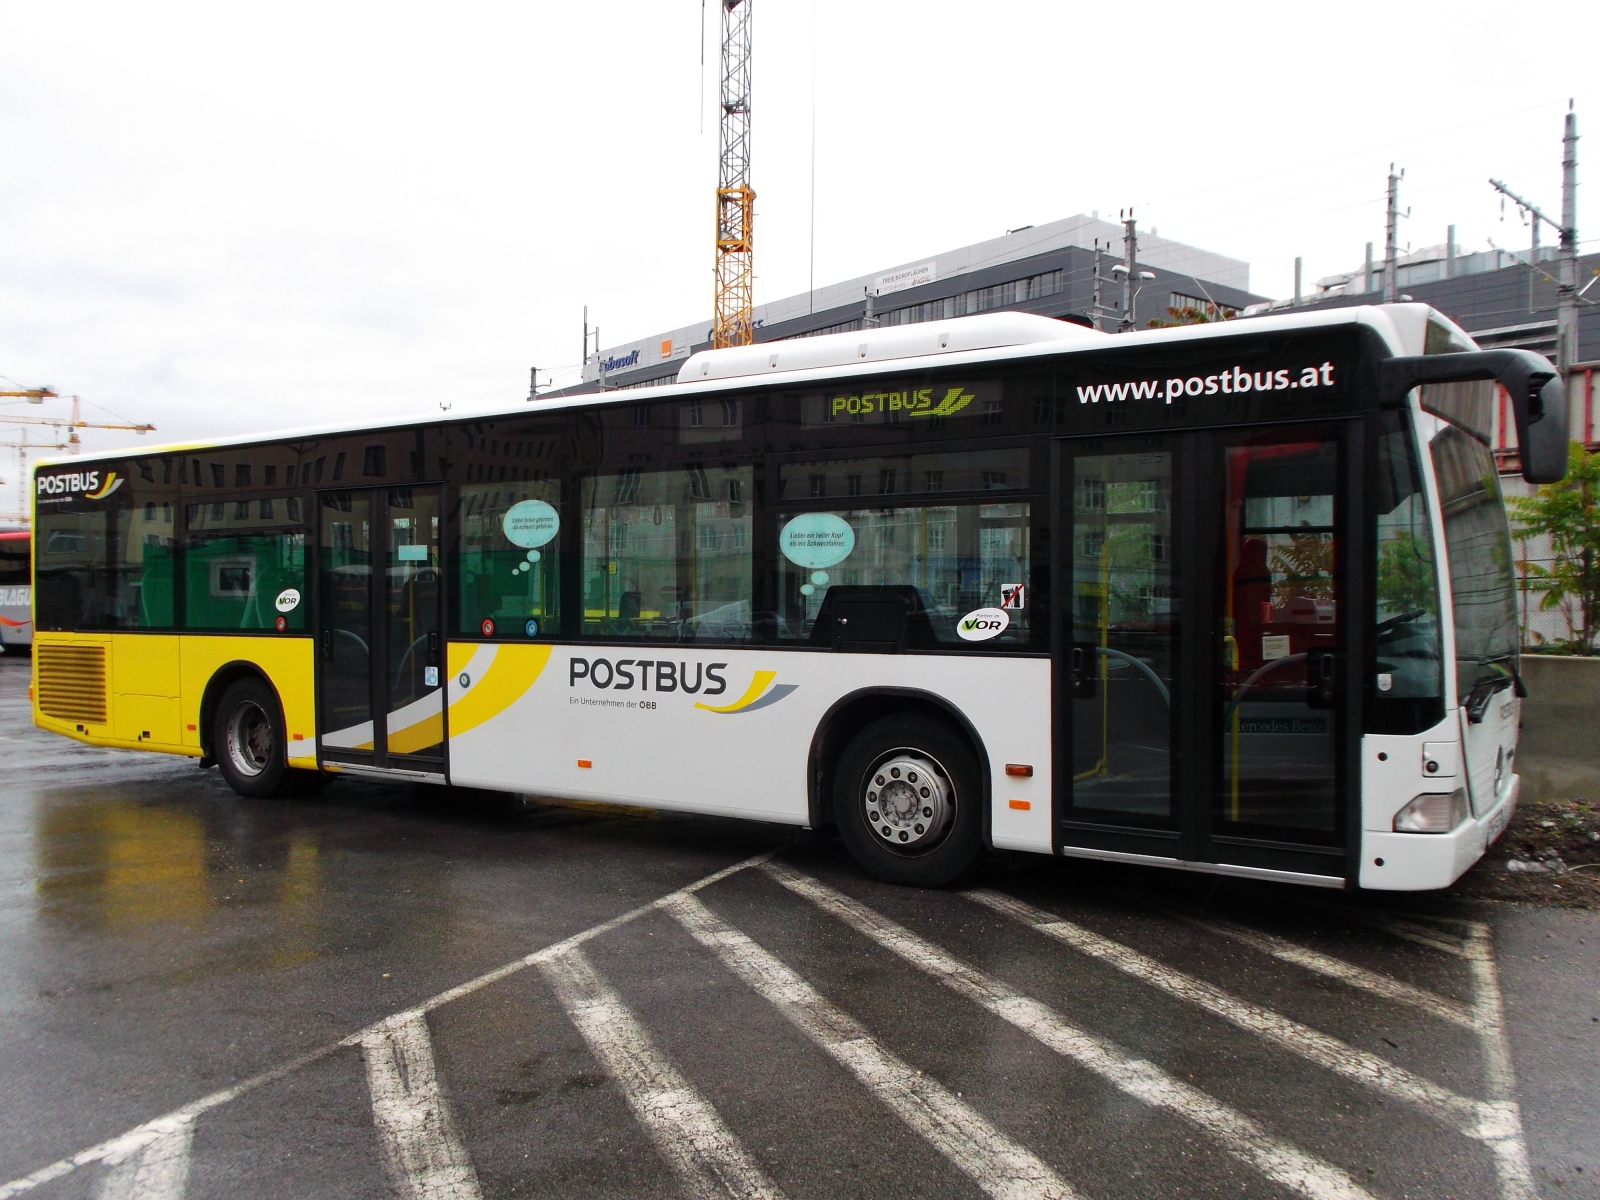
point(757, 686)
point(512, 672)
point(105, 488)
point(427, 732)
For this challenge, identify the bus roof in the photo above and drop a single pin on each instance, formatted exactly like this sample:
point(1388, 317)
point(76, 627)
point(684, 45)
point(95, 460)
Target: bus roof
point(972, 341)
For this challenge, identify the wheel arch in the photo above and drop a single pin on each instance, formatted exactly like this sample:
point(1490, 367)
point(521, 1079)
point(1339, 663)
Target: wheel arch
point(851, 712)
point(221, 680)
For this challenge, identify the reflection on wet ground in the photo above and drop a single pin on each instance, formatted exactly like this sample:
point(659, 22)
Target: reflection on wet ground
point(399, 990)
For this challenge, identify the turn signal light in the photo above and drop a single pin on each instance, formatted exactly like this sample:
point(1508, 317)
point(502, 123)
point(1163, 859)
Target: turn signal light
point(1023, 770)
point(1022, 805)
point(584, 762)
point(1432, 812)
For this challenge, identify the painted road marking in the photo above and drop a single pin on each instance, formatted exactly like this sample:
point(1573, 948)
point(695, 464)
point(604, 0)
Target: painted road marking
point(140, 1134)
point(422, 1152)
point(998, 1165)
point(1493, 1122)
point(154, 1167)
point(684, 1126)
point(1238, 1134)
point(1488, 1012)
point(1379, 984)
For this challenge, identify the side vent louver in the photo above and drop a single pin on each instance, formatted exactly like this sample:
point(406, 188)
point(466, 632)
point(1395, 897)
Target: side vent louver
point(72, 682)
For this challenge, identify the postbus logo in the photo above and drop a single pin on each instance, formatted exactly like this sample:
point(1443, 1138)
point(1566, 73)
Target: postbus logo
point(761, 692)
point(85, 485)
point(914, 402)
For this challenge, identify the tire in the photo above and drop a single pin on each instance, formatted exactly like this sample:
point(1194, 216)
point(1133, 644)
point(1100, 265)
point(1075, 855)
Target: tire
point(922, 824)
point(247, 740)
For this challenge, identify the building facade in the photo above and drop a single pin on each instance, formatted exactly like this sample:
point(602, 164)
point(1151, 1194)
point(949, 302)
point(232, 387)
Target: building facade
point(1047, 269)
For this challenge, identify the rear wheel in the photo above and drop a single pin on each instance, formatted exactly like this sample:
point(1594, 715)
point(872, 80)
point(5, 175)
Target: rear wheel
point(906, 797)
point(247, 740)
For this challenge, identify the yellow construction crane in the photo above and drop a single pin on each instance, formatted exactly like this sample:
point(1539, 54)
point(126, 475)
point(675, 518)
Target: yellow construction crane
point(74, 423)
point(734, 323)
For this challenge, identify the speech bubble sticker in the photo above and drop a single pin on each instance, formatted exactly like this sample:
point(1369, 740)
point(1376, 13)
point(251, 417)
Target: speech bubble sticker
point(817, 540)
point(530, 524)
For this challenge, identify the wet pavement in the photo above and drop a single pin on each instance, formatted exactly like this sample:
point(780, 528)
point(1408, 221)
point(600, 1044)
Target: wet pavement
point(381, 991)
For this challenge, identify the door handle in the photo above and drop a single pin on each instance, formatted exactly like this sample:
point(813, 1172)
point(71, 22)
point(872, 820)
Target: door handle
point(1322, 680)
point(327, 644)
point(433, 648)
point(1077, 659)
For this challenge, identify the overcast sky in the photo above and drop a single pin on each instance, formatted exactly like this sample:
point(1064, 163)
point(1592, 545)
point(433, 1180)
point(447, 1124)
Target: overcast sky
point(225, 218)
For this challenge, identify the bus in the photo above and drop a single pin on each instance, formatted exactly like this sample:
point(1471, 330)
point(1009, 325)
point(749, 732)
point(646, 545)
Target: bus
point(1233, 598)
point(16, 590)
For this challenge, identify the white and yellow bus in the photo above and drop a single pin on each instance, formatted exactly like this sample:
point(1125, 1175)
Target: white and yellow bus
point(1234, 598)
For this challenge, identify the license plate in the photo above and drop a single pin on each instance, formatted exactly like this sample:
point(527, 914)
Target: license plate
point(1497, 823)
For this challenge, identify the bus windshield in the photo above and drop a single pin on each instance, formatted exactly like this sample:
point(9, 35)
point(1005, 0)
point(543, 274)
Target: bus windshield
point(1409, 685)
point(1477, 539)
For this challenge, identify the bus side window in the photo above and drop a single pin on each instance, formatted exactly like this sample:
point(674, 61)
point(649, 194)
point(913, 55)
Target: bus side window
point(509, 560)
point(667, 553)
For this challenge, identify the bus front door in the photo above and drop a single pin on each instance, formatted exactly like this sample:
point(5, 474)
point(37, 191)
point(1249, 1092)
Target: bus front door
point(1203, 639)
point(380, 641)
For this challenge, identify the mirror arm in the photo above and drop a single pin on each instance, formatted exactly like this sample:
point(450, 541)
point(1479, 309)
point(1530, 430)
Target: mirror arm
point(1538, 398)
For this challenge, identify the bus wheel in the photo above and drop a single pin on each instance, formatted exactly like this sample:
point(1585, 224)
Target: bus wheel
point(906, 797)
point(248, 742)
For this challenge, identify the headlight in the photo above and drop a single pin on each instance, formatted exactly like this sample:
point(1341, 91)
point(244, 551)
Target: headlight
point(1432, 812)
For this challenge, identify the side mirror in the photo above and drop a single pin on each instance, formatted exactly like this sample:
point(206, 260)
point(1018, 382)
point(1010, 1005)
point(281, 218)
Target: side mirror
point(1538, 398)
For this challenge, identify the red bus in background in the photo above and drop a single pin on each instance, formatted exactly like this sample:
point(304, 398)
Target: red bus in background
point(16, 589)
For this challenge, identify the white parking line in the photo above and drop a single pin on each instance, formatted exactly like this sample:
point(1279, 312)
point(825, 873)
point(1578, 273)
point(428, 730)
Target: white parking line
point(1495, 1122)
point(998, 1165)
point(140, 1134)
point(422, 1151)
point(685, 1127)
point(1379, 984)
point(1238, 1134)
point(1511, 1151)
point(152, 1168)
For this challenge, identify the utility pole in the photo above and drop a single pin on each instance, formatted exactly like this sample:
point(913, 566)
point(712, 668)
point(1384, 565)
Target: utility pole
point(1130, 259)
point(1297, 263)
point(869, 319)
point(1567, 311)
point(734, 323)
point(1391, 243)
point(1133, 278)
point(533, 383)
point(584, 360)
point(1098, 310)
point(1567, 284)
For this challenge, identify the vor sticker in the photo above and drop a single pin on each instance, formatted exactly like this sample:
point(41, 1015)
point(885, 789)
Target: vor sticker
point(981, 624)
point(288, 600)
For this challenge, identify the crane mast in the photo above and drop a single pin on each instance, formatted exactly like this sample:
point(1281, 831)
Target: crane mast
point(736, 199)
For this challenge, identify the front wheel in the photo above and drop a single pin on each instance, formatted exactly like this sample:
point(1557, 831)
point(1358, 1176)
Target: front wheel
point(906, 797)
point(247, 740)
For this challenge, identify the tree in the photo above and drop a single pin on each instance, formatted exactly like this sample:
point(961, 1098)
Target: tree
point(1191, 315)
point(1568, 514)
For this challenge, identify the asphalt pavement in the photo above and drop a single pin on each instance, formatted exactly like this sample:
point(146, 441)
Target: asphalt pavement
point(381, 991)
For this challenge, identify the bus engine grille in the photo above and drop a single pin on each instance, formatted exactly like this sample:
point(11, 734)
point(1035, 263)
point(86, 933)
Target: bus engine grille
point(72, 682)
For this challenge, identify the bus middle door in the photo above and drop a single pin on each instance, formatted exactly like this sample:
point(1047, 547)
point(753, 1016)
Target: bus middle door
point(380, 639)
